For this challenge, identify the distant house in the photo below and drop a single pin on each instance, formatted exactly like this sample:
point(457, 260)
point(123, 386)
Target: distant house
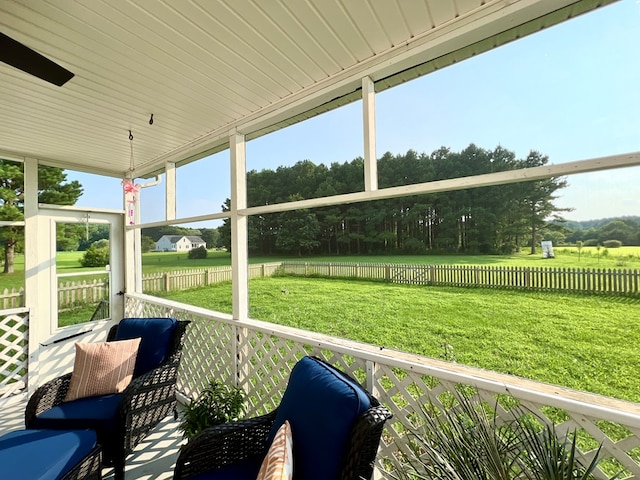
point(178, 243)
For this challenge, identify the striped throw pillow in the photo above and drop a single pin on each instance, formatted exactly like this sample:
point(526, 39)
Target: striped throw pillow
point(102, 368)
point(278, 464)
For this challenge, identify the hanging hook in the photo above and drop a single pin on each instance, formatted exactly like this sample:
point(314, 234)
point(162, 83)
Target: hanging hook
point(151, 120)
point(131, 165)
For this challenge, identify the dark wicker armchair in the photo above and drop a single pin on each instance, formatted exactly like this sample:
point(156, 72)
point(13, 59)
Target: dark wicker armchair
point(235, 450)
point(124, 419)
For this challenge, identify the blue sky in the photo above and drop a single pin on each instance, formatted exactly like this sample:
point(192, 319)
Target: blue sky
point(572, 92)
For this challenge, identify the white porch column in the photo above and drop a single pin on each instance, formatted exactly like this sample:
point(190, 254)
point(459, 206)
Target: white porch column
point(239, 234)
point(170, 190)
point(37, 258)
point(369, 126)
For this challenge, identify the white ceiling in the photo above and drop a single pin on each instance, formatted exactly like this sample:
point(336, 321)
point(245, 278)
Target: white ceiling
point(206, 67)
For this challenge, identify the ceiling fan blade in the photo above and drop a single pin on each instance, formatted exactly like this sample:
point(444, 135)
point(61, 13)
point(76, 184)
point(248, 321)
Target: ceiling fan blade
point(23, 58)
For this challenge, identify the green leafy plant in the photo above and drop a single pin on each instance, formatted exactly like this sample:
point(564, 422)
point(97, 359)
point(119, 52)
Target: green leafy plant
point(467, 440)
point(95, 256)
point(197, 253)
point(216, 404)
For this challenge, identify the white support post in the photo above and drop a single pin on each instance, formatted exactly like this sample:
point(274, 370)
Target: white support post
point(239, 234)
point(37, 257)
point(369, 127)
point(170, 190)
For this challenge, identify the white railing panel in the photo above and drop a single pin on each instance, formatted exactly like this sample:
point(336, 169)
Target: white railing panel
point(14, 351)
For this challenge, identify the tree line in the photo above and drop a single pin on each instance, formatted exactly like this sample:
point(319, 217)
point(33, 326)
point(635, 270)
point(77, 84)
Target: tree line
point(626, 230)
point(495, 219)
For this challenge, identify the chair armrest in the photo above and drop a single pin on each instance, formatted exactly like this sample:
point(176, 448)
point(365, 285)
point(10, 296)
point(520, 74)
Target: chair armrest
point(46, 396)
point(223, 445)
point(158, 384)
point(147, 400)
point(359, 458)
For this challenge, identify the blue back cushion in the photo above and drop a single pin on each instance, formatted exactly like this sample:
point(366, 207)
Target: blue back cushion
point(43, 454)
point(322, 405)
point(156, 335)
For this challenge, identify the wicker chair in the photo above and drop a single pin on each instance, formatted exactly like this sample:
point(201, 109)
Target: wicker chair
point(125, 418)
point(235, 450)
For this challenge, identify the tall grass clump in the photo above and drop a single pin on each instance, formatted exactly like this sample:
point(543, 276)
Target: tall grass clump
point(469, 441)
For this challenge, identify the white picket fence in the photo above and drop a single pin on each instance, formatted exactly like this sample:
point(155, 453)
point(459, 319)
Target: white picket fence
point(586, 280)
point(185, 279)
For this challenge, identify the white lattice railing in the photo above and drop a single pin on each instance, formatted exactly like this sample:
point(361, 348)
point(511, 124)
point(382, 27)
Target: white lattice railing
point(14, 324)
point(259, 356)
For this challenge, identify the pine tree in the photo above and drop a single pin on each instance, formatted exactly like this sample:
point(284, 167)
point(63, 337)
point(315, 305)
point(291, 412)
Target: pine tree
point(52, 189)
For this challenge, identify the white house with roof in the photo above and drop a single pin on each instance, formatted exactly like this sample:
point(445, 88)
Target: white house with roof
point(179, 243)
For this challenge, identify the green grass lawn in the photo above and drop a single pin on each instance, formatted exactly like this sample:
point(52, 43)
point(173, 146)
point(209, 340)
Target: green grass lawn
point(583, 342)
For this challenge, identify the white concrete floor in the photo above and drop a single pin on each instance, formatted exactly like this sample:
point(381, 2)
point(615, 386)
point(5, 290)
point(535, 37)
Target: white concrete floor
point(152, 459)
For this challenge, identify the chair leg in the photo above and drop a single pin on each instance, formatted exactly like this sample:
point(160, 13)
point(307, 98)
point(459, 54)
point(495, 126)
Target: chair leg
point(118, 470)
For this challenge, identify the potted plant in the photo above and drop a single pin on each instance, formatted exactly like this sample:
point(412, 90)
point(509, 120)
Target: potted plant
point(216, 404)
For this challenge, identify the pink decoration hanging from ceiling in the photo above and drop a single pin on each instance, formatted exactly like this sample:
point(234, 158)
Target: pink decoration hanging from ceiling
point(130, 190)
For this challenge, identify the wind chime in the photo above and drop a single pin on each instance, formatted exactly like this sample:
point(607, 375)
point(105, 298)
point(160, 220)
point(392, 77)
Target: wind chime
point(130, 188)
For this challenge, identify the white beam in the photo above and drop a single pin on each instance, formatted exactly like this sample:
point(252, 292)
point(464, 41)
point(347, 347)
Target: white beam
point(239, 231)
point(462, 183)
point(369, 127)
point(499, 178)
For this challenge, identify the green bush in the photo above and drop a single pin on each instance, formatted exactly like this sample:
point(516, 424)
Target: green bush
point(95, 257)
point(591, 242)
point(216, 404)
point(102, 243)
point(147, 244)
point(198, 253)
point(612, 243)
point(508, 248)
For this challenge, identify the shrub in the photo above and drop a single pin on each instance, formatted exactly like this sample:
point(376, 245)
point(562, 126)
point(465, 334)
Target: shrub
point(508, 248)
point(198, 253)
point(95, 256)
point(217, 404)
point(147, 244)
point(612, 243)
point(591, 242)
point(413, 246)
point(102, 243)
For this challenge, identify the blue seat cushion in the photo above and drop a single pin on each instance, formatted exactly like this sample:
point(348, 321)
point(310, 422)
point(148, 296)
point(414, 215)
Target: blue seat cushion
point(322, 405)
point(239, 471)
point(43, 454)
point(96, 413)
point(156, 339)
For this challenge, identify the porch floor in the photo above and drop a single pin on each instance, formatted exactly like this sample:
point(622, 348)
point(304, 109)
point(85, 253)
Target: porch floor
point(154, 458)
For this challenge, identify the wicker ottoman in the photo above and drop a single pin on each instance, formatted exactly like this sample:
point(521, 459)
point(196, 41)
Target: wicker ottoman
point(50, 455)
